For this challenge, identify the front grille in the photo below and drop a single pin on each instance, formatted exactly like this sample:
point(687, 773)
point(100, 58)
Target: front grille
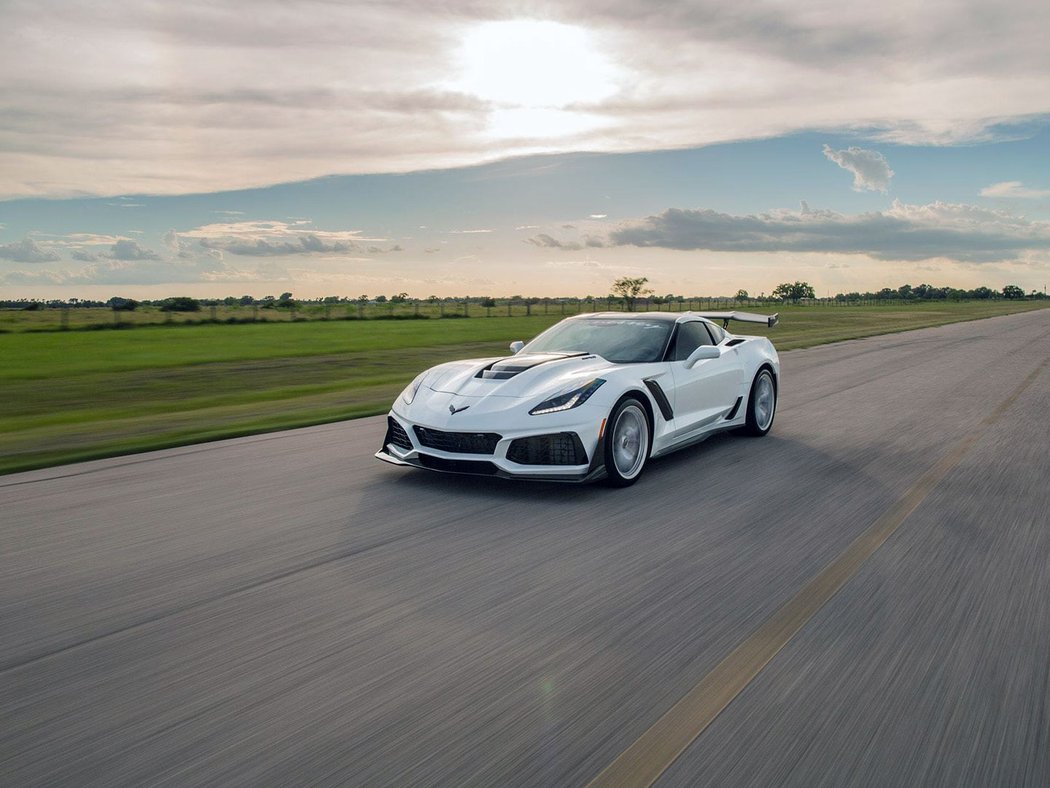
point(562, 448)
point(396, 434)
point(458, 442)
point(482, 467)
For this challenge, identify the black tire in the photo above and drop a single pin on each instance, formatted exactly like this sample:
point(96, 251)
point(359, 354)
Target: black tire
point(628, 440)
point(761, 404)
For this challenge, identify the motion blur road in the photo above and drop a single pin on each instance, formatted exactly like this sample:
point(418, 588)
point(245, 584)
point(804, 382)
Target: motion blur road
point(285, 609)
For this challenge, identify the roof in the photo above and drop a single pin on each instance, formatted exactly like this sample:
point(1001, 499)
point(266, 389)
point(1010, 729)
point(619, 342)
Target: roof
point(668, 317)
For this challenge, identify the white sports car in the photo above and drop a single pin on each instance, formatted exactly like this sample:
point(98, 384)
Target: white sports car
point(594, 396)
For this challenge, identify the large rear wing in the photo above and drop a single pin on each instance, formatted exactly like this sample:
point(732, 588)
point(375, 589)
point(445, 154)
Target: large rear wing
point(745, 317)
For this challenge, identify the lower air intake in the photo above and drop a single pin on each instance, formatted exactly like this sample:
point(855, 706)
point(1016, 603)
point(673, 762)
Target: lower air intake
point(561, 448)
point(458, 442)
point(396, 434)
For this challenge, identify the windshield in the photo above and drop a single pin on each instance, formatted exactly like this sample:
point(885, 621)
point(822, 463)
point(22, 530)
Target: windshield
point(620, 341)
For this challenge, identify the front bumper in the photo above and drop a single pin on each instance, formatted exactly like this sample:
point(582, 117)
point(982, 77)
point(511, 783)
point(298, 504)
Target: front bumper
point(496, 463)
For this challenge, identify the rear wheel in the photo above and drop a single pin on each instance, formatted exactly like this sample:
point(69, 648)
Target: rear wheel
point(761, 405)
point(626, 442)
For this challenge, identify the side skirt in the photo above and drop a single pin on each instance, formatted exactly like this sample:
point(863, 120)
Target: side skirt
point(692, 440)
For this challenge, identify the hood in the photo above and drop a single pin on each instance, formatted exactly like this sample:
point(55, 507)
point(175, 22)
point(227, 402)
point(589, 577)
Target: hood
point(524, 375)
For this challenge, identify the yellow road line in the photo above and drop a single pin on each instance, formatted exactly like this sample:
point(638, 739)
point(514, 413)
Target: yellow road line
point(642, 763)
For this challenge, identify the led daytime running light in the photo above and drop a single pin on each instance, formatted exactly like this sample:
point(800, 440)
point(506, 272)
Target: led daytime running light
point(568, 400)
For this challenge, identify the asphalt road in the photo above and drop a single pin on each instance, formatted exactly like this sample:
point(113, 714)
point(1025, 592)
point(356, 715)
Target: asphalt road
point(285, 609)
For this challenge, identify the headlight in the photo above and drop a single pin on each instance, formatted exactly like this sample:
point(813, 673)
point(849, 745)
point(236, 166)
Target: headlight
point(567, 400)
point(409, 393)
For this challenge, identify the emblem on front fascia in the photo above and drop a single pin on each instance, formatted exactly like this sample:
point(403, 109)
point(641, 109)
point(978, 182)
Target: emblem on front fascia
point(454, 410)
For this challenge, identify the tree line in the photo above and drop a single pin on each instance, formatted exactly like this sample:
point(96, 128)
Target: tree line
point(626, 291)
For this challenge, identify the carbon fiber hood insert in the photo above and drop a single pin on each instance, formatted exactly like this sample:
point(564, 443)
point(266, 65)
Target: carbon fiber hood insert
point(509, 367)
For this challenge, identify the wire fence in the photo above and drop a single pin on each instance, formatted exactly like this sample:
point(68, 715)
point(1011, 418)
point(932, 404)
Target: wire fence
point(61, 318)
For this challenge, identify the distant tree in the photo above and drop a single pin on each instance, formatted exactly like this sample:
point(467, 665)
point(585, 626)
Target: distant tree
point(982, 292)
point(741, 295)
point(180, 304)
point(788, 291)
point(381, 299)
point(905, 291)
point(1013, 292)
point(630, 289)
point(400, 298)
point(488, 302)
point(285, 298)
point(118, 304)
point(247, 300)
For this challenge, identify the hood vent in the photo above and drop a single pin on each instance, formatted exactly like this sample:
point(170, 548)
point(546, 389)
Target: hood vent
point(515, 365)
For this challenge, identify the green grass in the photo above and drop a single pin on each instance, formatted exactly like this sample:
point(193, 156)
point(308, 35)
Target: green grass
point(75, 395)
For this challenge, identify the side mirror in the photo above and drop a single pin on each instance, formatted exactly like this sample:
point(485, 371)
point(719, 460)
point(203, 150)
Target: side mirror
point(516, 346)
point(702, 353)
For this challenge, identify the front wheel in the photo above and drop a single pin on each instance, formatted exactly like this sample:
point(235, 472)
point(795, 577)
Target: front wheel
point(761, 405)
point(626, 442)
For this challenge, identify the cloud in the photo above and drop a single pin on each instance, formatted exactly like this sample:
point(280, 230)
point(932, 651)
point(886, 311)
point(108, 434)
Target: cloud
point(870, 169)
point(83, 256)
point(467, 232)
point(306, 244)
point(270, 238)
point(964, 233)
point(128, 250)
point(546, 241)
point(28, 251)
point(578, 264)
point(718, 72)
point(139, 272)
point(1014, 190)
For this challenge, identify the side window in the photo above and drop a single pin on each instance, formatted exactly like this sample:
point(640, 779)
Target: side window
point(690, 336)
point(717, 333)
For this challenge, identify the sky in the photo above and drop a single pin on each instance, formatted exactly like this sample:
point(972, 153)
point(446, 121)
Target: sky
point(476, 148)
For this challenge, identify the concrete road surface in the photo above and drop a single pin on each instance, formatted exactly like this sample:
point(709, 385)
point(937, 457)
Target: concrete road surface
point(285, 609)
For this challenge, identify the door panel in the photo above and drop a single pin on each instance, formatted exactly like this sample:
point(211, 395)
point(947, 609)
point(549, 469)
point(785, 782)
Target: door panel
point(710, 388)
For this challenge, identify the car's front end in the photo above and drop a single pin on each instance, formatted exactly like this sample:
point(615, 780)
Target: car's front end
point(486, 417)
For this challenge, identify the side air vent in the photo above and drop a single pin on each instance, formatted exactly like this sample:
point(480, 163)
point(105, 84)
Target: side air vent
point(661, 399)
point(736, 406)
point(733, 342)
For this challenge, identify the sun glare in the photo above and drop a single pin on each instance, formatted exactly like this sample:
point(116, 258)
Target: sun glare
point(533, 70)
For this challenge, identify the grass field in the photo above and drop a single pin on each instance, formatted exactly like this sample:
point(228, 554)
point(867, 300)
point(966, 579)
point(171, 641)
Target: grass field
point(77, 395)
